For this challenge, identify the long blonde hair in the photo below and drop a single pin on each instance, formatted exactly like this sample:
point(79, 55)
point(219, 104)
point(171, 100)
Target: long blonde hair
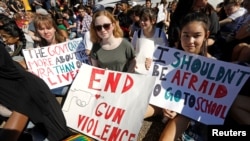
point(117, 32)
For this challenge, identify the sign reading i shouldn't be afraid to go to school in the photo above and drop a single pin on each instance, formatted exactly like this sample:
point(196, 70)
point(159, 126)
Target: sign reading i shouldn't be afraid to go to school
point(107, 105)
point(199, 87)
point(57, 64)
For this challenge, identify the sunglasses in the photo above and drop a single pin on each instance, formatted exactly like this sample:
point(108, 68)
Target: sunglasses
point(106, 26)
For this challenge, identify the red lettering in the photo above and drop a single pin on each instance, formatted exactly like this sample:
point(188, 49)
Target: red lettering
point(98, 112)
point(94, 131)
point(69, 76)
point(93, 78)
point(203, 87)
point(57, 49)
point(59, 78)
point(177, 77)
point(105, 131)
point(41, 72)
point(222, 115)
point(221, 91)
point(217, 110)
point(193, 80)
point(84, 124)
point(125, 132)
point(185, 77)
point(45, 62)
point(128, 84)
point(210, 107)
point(105, 110)
point(204, 105)
point(80, 119)
point(51, 83)
point(90, 125)
point(114, 134)
point(109, 112)
point(211, 89)
point(118, 115)
point(112, 81)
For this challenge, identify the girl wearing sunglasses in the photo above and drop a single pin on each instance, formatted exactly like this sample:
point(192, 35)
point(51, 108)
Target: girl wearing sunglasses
point(110, 50)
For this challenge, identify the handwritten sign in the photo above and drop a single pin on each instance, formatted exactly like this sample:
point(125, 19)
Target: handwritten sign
point(107, 105)
point(198, 87)
point(57, 64)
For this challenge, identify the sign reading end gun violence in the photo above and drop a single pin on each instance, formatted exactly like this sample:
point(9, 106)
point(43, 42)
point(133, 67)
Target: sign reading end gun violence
point(198, 87)
point(107, 105)
point(57, 64)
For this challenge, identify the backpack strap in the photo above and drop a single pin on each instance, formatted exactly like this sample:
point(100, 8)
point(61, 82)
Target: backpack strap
point(139, 33)
point(159, 33)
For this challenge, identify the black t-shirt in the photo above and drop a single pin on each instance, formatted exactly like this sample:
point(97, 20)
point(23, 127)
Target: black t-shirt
point(125, 22)
point(28, 94)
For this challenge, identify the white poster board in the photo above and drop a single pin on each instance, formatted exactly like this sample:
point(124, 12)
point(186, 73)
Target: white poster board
point(198, 87)
point(57, 64)
point(144, 49)
point(107, 105)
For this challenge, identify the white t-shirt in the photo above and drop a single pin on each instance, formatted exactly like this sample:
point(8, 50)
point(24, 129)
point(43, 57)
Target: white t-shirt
point(161, 16)
point(87, 42)
point(160, 40)
point(145, 47)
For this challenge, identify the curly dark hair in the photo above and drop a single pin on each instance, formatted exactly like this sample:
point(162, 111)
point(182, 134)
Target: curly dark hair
point(9, 26)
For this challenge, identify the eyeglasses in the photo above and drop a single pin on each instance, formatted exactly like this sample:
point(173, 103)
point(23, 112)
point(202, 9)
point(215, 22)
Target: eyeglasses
point(106, 26)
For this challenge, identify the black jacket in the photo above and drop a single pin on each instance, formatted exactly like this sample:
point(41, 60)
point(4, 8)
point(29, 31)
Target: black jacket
point(28, 94)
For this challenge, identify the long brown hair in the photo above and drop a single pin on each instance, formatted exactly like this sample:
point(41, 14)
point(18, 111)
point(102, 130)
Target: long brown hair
point(48, 21)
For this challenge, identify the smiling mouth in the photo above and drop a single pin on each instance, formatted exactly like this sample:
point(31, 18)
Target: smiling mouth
point(48, 36)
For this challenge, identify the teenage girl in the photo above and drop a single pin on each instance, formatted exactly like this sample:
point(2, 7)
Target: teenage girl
point(148, 33)
point(110, 50)
point(194, 34)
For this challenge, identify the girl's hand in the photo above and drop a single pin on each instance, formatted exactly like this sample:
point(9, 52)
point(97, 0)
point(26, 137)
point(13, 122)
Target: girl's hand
point(148, 63)
point(170, 114)
point(5, 112)
point(132, 69)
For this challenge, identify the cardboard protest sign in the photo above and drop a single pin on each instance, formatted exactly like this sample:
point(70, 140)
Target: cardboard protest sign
point(144, 49)
point(198, 87)
point(57, 64)
point(107, 105)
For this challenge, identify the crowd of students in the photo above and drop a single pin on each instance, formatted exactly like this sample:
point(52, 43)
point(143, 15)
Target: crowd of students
point(113, 41)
